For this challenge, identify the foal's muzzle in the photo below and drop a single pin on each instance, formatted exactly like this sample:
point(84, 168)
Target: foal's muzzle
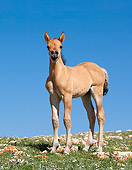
point(54, 55)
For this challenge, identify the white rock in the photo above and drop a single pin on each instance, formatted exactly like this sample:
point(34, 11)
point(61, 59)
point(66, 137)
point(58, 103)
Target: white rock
point(12, 142)
point(114, 137)
point(86, 138)
point(44, 152)
point(118, 131)
point(129, 130)
point(74, 148)
point(130, 136)
point(3, 144)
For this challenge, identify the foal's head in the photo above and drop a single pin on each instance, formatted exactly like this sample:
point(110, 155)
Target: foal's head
point(54, 46)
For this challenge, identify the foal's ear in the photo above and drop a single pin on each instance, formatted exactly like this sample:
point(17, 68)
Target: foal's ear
point(46, 36)
point(62, 37)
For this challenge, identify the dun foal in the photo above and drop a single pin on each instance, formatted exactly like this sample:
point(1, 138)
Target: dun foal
point(64, 83)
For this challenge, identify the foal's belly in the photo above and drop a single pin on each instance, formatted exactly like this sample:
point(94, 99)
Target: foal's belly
point(81, 83)
point(79, 91)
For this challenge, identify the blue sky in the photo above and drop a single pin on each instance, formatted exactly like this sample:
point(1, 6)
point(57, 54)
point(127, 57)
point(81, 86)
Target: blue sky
point(95, 31)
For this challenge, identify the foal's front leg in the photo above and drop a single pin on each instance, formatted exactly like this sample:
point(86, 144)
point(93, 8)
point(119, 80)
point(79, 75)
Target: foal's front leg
point(49, 86)
point(67, 121)
point(54, 101)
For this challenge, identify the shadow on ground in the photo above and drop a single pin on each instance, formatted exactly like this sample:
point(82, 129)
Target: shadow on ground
point(41, 147)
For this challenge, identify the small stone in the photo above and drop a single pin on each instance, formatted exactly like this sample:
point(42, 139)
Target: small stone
point(3, 144)
point(44, 152)
point(13, 142)
point(114, 137)
point(118, 131)
point(129, 130)
point(130, 136)
point(74, 148)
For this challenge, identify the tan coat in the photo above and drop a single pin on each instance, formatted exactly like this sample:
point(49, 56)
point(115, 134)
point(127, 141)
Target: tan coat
point(64, 83)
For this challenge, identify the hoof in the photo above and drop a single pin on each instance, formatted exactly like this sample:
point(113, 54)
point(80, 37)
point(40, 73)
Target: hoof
point(53, 150)
point(55, 146)
point(67, 151)
point(86, 148)
point(99, 149)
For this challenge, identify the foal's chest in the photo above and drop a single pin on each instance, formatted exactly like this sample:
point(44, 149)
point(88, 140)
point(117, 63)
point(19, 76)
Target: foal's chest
point(62, 87)
point(59, 93)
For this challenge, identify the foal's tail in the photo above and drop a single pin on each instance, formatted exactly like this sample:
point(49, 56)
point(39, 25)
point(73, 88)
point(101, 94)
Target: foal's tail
point(105, 90)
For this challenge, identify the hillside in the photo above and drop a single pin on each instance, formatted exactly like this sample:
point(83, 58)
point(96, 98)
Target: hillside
point(33, 153)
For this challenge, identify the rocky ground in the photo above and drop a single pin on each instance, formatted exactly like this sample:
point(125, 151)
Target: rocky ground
point(34, 152)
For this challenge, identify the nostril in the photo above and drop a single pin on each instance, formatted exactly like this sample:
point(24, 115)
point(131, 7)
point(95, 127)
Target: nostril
point(56, 52)
point(52, 52)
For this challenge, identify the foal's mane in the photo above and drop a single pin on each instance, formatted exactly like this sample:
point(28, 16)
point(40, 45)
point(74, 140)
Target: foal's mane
point(63, 59)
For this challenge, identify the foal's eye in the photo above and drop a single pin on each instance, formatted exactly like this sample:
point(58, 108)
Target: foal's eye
point(60, 46)
point(48, 47)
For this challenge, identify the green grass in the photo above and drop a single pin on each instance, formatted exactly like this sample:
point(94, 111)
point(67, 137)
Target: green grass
point(76, 160)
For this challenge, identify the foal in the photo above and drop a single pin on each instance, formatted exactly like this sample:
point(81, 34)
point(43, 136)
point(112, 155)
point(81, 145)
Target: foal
point(64, 83)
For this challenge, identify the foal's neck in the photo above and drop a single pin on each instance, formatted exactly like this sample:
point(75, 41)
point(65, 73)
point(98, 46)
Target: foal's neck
point(56, 69)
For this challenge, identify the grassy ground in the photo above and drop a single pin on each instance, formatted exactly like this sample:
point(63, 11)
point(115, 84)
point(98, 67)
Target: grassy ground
point(27, 153)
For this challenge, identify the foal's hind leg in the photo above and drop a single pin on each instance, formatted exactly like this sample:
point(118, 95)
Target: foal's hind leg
point(91, 116)
point(54, 101)
point(97, 93)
